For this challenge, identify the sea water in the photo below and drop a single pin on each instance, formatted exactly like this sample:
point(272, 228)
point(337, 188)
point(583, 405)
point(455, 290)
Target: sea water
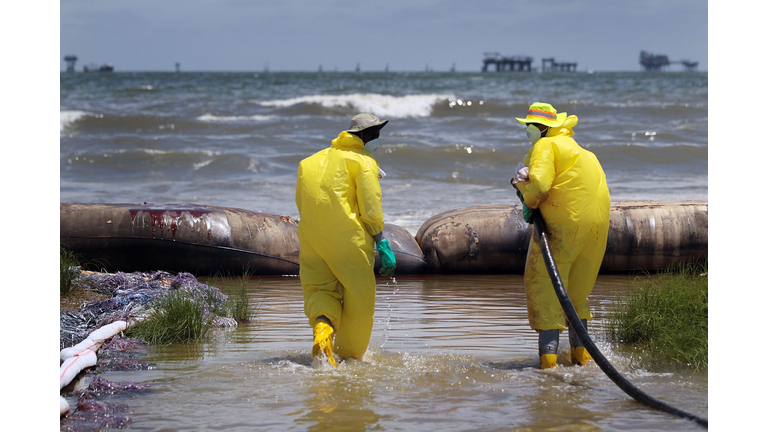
point(235, 139)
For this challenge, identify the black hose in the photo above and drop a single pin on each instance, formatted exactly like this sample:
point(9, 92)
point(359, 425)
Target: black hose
point(581, 331)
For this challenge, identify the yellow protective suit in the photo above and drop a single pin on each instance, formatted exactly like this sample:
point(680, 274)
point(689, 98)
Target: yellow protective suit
point(339, 200)
point(567, 184)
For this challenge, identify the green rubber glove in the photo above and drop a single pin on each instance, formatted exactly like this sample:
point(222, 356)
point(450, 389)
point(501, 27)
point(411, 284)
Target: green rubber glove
point(527, 211)
point(387, 258)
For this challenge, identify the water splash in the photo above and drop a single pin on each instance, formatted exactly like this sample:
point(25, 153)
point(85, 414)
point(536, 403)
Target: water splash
point(388, 318)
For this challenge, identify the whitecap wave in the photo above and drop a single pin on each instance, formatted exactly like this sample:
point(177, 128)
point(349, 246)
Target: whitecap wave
point(383, 106)
point(214, 118)
point(204, 163)
point(69, 117)
point(155, 151)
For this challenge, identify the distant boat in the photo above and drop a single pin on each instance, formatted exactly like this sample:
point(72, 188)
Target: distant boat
point(103, 68)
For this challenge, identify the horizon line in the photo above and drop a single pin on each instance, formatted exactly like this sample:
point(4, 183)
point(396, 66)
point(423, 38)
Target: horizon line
point(372, 71)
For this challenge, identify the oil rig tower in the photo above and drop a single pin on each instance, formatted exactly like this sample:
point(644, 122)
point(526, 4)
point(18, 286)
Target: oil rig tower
point(514, 63)
point(70, 59)
point(555, 66)
point(655, 62)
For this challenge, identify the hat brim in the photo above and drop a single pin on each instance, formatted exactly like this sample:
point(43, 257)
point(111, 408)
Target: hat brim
point(553, 123)
point(378, 125)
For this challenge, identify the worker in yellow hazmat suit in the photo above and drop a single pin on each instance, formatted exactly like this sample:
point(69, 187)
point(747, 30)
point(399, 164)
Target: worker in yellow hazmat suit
point(339, 201)
point(567, 185)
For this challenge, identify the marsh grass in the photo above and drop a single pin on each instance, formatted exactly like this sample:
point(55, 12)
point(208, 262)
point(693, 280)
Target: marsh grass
point(69, 269)
point(178, 318)
point(665, 315)
point(181, 316)
point(239, 304)
point(236, 287)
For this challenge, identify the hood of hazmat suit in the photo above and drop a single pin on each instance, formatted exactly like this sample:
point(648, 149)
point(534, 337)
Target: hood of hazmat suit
point(339, 201)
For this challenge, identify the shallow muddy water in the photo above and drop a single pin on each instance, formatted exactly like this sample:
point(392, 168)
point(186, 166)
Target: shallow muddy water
point(447, 353)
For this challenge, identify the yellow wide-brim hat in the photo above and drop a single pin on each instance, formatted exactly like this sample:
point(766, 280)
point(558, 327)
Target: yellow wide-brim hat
point(543, 113)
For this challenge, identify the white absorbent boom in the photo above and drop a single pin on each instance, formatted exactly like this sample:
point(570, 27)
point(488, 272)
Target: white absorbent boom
point(83, 355)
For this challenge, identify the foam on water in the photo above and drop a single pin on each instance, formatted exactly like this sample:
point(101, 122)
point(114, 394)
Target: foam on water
point(208, 117)
point(385, 106)
point(70, 117)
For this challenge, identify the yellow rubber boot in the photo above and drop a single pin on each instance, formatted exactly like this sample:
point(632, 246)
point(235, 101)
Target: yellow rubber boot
point(548, 361)
point(580, 356)
point(323, 333)
point(549, 340)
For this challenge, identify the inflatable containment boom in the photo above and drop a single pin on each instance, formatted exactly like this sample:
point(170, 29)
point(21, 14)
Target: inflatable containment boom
point(489, 239)
point(199, 239)
point(650, 235)
point(643, 235)
point(181, 237)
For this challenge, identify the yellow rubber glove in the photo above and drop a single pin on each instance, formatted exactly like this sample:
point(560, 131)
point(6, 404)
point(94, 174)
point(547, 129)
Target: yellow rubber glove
point(323, 333)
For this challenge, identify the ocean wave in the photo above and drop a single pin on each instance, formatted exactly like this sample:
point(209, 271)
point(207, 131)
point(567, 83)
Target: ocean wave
point(70, 117)
point(214, 118)
point(384, 106)
point(199, 165)
point(156, 151)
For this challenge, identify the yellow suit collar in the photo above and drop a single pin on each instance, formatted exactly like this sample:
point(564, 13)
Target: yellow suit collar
point(347, 140)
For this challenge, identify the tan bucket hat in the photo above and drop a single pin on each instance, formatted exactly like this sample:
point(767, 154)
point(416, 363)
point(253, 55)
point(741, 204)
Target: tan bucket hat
point(364, 121)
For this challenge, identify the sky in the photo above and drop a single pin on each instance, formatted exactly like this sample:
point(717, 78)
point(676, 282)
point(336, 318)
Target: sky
point(401, 35)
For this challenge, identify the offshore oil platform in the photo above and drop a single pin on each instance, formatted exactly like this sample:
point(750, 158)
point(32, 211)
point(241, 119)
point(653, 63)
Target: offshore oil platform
point(103, 68)
point(71, 59)
point(550, 65)
point(523, 63)
point(657, 62)
point(503, 63)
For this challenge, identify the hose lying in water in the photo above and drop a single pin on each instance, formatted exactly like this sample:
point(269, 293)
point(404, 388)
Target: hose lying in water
point(581, 331)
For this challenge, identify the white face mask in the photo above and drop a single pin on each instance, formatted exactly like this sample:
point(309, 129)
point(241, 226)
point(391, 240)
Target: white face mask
point(372, 145)
point(533, 133)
